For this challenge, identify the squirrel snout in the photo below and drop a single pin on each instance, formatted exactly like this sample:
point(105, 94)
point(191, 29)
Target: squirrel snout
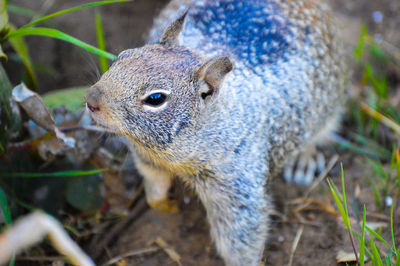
point(92, 99)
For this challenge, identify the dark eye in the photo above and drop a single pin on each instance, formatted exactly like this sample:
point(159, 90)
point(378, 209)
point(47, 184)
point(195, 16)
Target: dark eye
point(155, 99)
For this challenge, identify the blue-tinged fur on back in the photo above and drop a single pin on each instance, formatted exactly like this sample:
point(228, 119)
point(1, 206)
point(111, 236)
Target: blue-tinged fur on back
point(254, 31)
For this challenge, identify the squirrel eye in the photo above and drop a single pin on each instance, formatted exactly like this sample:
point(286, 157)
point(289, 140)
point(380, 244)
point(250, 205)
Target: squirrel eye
point(155, 99)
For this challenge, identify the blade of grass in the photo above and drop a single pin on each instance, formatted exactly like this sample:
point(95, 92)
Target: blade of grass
point(6, 215)
point(362, 240)
point(5, 208)
point(344, 192)
point(345, 144)
point(3, 18)
point(376, 194)
point(101, 43)
point(339, 205)
point(53, 33)
point(398, 167)
point(366, 142)
point(359, 50)
point(347, 215)
point(378, 169)
point(65, 11)
point(392, 230)
point(370, 256)
point(56, 174)
point(376, 257)
point(390, 123)
point(22, 11)
point(387, 259)
point(343, 211)
point(19, 46)
point(398, 257)
point(377, 236)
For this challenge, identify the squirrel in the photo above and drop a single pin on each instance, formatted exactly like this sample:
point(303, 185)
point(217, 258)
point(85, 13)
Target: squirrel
point(226, 95)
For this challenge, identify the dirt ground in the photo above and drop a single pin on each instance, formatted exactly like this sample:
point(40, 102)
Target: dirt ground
point(126, 25)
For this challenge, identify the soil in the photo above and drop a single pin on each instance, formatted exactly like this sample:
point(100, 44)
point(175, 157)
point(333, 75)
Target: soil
point(61, 65)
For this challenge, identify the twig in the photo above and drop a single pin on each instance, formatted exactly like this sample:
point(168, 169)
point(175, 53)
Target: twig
point(116, 230)
point(323, 175)
point(96, 239)
point(295, 244)
point(132, 254)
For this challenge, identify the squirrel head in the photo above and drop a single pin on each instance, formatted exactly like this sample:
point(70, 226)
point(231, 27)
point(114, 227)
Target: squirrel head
point(153, 93)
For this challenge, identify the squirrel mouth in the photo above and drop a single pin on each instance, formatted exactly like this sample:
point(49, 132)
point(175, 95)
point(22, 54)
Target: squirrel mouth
point(100, 122)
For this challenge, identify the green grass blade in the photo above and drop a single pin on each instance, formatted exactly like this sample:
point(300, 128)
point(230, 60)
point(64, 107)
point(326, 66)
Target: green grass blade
point(398, 257)
point(101, 43)
point(359, 50)
point(378, 169)
point(3, 18)
point(376, 258)
point(53, 33)
point(372, 145)
point(19, 46)
point(7, 216)
point(370, 256)
point(62, 12)
point(56, 174)
point(377, 236)
point(344, 193)
point(362, 240)
point(376, 194)
point(340, 206)
point(22, 11)
point(393, 160)
point(347, 145)
point(397, 166)
point(392, 230)
point(5, 208)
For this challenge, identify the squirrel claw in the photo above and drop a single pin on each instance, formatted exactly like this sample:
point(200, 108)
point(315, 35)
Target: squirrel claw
point(165, 205)
point(302, 169)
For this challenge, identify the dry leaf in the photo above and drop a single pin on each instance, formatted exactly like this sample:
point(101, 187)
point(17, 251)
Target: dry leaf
point(33, 105)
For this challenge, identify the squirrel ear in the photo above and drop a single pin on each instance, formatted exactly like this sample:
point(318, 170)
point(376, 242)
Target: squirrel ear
point(171, 33)
point(213, 73)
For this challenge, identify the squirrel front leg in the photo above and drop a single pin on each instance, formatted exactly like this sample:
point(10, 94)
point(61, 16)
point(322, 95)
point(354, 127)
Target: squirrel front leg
point(157, 182)
point(238, 212)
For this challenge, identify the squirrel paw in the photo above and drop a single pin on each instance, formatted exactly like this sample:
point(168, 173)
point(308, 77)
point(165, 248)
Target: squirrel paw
point(164, 205)
point(302, 168)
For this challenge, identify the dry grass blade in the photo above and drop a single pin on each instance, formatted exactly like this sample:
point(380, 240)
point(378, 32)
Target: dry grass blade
point(295, 244)
point(380, 117)
point(131, 254)
point(170, 251)
point(306, 204)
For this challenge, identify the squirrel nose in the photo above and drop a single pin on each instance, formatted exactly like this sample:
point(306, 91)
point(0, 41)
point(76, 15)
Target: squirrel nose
point(92, 97)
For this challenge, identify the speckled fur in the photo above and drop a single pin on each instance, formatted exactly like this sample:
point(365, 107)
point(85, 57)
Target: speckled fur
point(287, 83)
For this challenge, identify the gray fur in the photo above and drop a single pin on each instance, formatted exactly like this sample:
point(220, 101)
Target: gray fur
point(286, 84)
